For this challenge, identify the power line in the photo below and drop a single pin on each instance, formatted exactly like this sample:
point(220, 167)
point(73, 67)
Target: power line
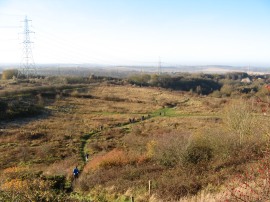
point(73, 50)
point(11, 15)
point(27, 66)
point(9, 27)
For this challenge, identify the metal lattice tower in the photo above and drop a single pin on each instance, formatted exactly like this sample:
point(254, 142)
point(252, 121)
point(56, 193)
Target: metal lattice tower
point(27, 66)
point(159, 66)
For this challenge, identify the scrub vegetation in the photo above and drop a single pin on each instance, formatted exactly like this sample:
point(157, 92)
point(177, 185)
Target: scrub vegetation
point(193, 136)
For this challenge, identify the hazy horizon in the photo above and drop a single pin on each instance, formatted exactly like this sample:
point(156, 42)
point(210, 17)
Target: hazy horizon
point(125, 32)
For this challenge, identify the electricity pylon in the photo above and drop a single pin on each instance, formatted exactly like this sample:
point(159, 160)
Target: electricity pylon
point(27, 66)
point(159, 66)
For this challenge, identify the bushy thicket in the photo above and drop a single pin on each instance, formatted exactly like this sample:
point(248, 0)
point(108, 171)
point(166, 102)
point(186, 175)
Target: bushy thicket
point(212, 155)
point(21, 184)
point(19, 107)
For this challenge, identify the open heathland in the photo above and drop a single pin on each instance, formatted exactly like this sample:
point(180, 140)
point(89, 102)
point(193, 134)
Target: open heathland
point(150, 143)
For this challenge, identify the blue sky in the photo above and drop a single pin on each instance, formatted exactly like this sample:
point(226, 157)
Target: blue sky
point(184, 32)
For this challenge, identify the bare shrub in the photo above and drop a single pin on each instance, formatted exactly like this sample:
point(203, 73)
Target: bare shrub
point(170, 148)
point(239, 120)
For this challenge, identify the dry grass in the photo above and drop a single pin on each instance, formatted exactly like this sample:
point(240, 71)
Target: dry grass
point(122, 154)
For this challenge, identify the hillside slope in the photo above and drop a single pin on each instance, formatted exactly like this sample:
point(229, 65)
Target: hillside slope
point(181, 142)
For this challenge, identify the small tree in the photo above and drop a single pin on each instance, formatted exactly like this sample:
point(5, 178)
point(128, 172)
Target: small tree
point(9, 74)
point(239, 119)
point(226, 89)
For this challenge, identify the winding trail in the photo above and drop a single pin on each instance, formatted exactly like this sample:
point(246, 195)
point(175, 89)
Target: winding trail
point(163, 112)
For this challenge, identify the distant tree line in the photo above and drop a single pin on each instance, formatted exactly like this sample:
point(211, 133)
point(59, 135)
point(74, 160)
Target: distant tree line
point(220, 85)
point(185, 82)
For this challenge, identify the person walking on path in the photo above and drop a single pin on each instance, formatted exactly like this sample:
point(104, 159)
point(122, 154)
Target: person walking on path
point(86, 157)
point(76, 172)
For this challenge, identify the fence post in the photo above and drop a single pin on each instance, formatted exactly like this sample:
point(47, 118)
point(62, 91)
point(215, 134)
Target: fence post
point(149, 187)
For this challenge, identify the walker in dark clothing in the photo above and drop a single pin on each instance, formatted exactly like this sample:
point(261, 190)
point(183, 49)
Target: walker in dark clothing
point(76, 172)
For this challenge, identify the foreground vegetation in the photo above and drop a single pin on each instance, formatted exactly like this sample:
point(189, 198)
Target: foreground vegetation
point(184, 142)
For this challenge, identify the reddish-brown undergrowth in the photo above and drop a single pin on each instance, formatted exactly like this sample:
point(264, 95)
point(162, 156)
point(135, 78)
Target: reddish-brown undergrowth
point(116, 157)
